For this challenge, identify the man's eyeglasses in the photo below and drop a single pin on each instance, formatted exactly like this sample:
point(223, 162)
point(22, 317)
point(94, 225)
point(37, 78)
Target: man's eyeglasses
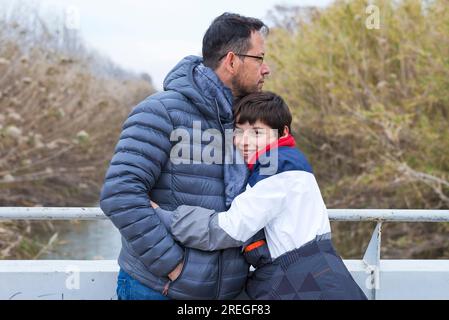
point(245, 55)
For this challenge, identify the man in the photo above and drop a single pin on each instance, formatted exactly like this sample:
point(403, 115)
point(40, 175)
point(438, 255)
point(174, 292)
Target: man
point(197, 91)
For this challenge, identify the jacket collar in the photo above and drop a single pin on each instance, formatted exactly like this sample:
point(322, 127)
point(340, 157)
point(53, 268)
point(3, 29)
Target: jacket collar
point(202, 86)
point(287, 141)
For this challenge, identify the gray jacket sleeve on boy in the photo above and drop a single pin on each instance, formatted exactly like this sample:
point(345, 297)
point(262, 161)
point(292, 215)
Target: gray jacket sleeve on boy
point(198, 228)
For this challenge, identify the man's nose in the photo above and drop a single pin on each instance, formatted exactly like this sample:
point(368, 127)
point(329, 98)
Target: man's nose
point(265, 69)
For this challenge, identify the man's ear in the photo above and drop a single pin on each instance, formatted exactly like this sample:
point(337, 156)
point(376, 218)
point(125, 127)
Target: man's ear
point(230, 63)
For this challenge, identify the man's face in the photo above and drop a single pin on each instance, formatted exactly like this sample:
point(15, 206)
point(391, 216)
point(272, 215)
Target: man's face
point(252, 72)
point(252, 138)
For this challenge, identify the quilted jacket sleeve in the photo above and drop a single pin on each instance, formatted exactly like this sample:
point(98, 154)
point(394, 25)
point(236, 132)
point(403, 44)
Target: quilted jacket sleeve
point(140, 154)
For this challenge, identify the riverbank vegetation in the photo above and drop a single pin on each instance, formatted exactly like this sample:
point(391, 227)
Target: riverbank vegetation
point(370, 106)
point(371, 110)
point(61, 110)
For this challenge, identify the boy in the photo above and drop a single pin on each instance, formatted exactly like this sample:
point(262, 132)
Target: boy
point(297, 260)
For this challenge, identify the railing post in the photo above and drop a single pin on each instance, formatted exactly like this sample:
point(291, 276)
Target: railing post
point(372, 262)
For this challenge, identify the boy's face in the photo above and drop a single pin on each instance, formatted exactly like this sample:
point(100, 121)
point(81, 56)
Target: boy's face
point(251, 138)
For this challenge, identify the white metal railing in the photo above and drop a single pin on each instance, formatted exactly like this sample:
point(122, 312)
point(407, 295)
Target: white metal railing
point(95, 213)
point(380, 279)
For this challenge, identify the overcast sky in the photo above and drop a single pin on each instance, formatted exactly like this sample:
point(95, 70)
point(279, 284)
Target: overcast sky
point(152, 36)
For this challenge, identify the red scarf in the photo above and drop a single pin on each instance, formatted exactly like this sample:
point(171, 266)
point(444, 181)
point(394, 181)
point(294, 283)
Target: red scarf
point(287, 141)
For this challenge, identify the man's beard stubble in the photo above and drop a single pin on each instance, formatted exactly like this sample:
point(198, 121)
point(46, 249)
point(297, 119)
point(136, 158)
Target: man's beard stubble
point(241, 90)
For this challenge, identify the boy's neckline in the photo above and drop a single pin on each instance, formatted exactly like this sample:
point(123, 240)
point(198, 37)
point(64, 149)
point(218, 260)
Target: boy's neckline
point(287, 141)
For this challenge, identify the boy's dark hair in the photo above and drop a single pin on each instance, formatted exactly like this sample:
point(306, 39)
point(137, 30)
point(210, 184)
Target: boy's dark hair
point(266, 107)
point(229, 32)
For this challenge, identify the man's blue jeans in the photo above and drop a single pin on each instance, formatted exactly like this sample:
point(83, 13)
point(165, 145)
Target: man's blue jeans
point(131, 289)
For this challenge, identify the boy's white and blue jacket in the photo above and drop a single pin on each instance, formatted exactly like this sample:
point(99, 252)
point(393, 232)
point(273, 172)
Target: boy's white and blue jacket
point(283, 200)
point(286, 203)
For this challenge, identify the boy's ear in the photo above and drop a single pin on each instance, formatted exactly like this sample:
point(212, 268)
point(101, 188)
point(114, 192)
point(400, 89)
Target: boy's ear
point(286, 132)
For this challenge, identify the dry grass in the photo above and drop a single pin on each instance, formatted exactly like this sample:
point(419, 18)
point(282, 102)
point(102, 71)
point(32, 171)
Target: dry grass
point(371, 111)
point(371, 107)
point(59, 121)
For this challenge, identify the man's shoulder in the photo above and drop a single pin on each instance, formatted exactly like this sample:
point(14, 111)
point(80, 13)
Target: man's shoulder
point(166, 99)
point(168, 95)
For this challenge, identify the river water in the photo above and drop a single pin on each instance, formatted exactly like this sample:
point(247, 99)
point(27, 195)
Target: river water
point(85, 240)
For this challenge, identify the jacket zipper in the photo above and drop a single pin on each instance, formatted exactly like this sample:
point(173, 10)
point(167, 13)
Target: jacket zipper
point(167, 285)
point(223, 145)
point(224, 158)
point(218, 113)
point(219, 276)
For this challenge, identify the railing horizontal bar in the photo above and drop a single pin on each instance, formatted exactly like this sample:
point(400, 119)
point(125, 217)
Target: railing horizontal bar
point(95, 213)
point(398, 215)
point(43, 213)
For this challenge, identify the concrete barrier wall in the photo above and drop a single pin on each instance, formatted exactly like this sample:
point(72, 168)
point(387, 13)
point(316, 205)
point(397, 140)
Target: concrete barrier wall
point(96, 280)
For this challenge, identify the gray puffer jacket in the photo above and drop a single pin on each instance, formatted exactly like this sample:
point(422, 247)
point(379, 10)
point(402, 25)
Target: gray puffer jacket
point(142, 169)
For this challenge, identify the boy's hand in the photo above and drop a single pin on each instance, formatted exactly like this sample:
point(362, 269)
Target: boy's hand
point(154, 204)
point(176, 272)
